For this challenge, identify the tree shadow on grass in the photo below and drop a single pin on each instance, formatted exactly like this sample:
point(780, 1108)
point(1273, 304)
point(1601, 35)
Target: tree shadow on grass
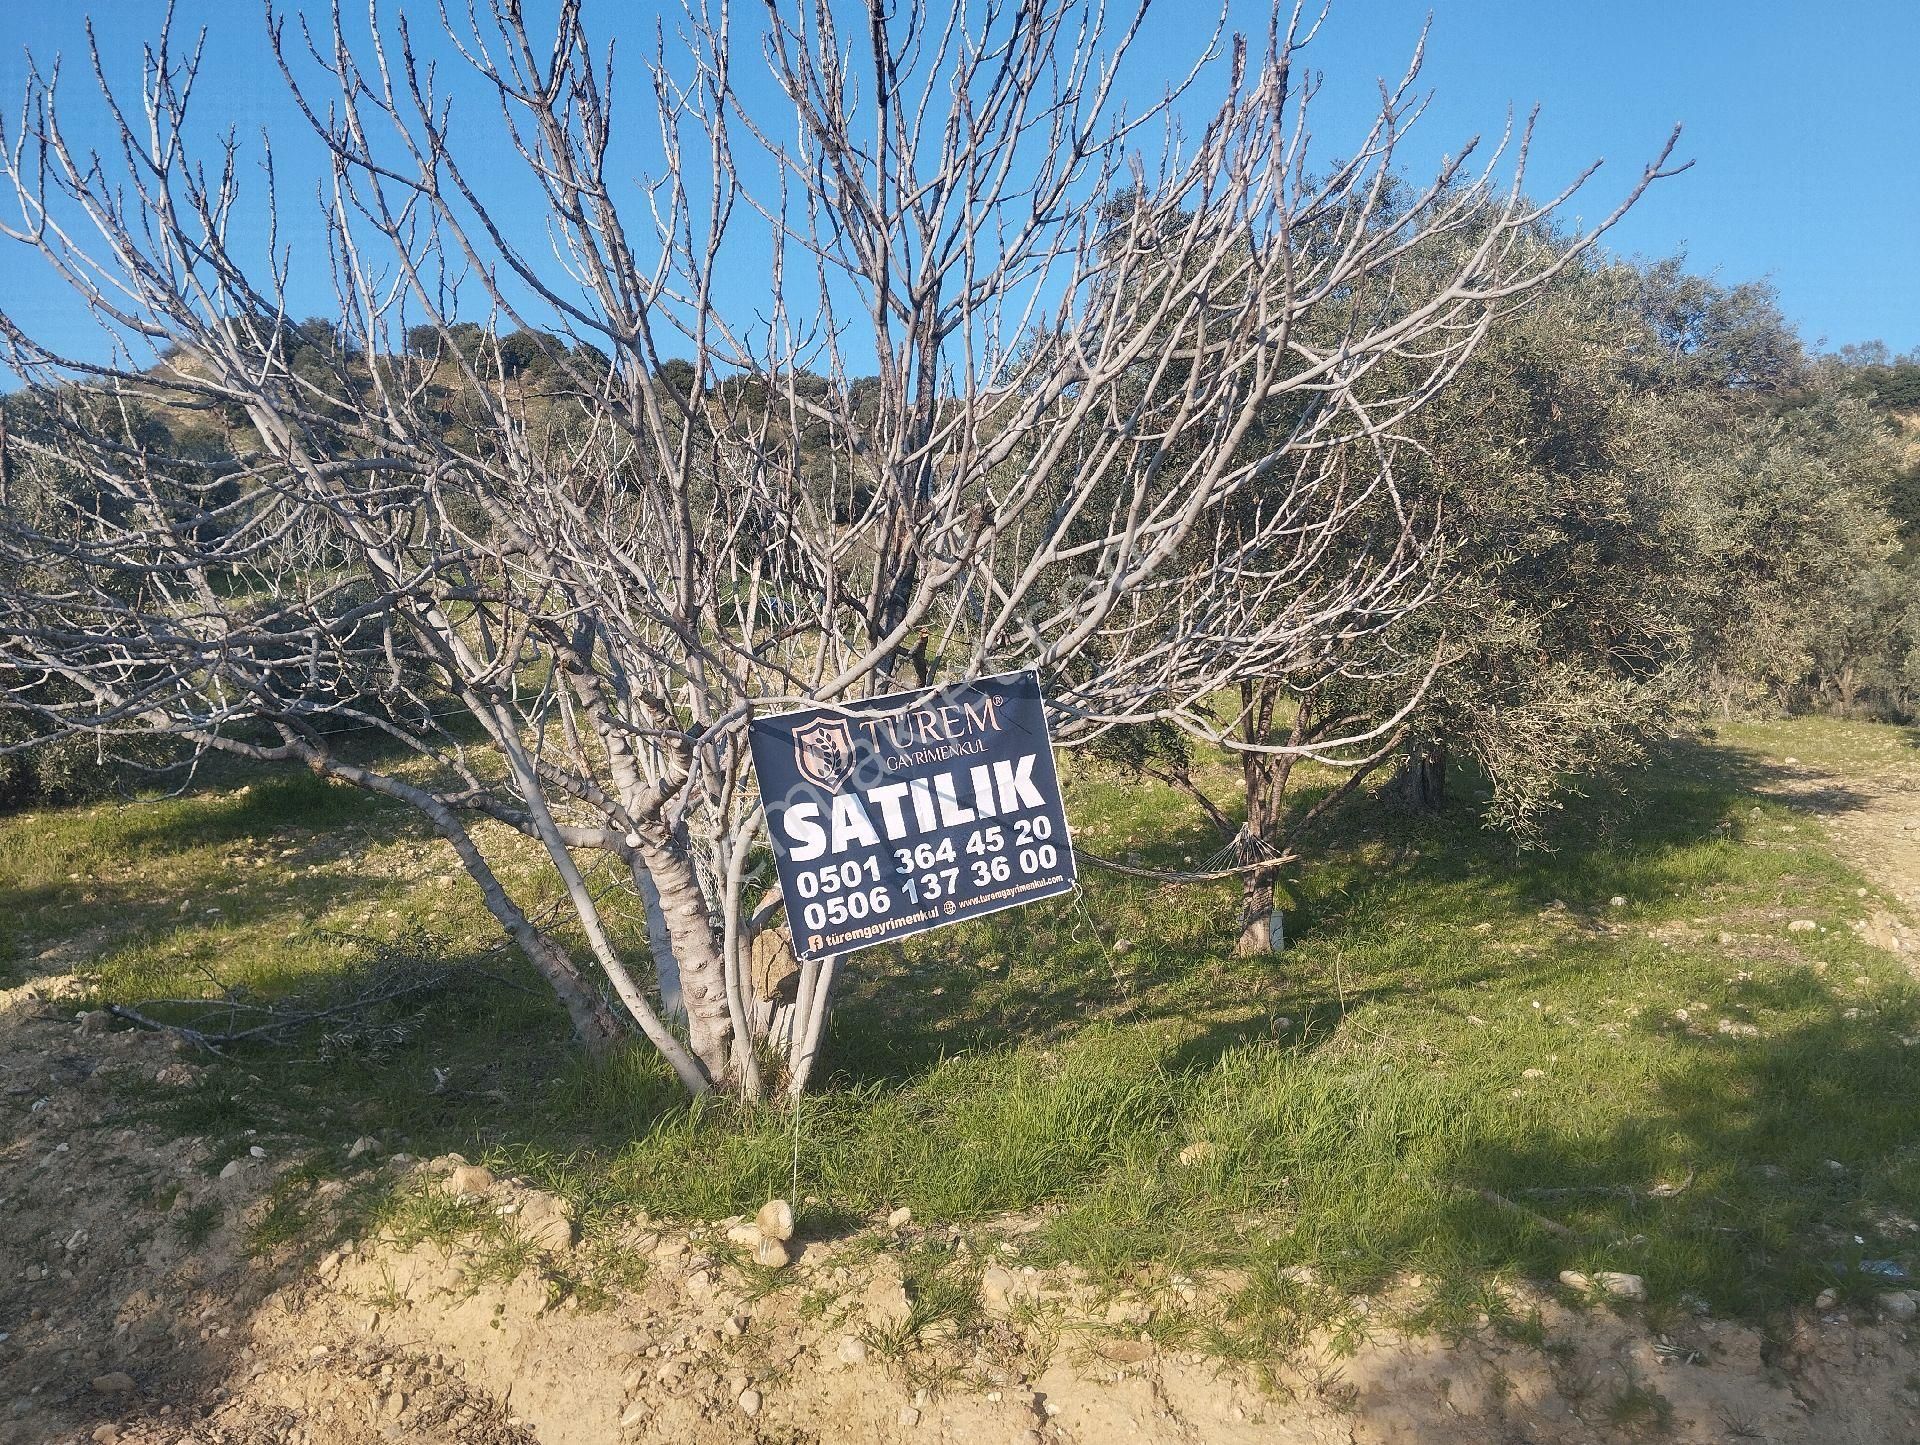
point(1125, 951)
point(122, 924)
point(1766, 1170)
point(84, 905)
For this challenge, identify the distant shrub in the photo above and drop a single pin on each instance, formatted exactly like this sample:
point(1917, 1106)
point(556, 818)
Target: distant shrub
point(77, 769)
point(1895, 386)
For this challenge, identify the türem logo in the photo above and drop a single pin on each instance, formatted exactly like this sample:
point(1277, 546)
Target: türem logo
point(823, 751)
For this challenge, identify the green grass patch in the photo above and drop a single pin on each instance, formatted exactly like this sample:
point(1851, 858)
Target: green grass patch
point(1457, 1024)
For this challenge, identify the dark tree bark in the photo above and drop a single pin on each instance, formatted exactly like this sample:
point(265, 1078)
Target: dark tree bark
point(1264, 776)
point(1422, 779)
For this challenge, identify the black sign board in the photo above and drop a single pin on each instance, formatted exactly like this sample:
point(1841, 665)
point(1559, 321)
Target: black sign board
point(899, 814)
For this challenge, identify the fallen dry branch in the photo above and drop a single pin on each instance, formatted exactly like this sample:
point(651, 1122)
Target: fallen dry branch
point(1552, 1226)
point(283, 1020)
point(1622, 1191)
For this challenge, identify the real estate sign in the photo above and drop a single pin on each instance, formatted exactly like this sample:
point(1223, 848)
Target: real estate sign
point(898, 814)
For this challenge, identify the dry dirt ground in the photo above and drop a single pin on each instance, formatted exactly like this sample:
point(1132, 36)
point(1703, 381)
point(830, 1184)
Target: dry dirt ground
point(131, 1310)
point(1875, 820)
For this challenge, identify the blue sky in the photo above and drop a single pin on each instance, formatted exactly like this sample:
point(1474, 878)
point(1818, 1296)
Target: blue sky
point(1801, 123)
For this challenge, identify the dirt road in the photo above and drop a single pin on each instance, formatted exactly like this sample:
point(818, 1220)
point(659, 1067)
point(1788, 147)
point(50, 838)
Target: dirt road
point(1874, 818)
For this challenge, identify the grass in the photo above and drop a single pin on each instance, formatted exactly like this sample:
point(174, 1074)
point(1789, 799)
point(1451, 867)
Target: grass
point(1637, 1408)
point(197, 1222)
point(943, 1301)
point(1453, 1022)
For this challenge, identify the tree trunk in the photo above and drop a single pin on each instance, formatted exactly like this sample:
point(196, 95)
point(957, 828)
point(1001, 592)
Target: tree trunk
point(809, 1029)
point(666, 968)
point(595, 1024)
point(1258, 918)
point(703, 973)
point(1264, 777)
point(1422, 782)
point(697, 1074)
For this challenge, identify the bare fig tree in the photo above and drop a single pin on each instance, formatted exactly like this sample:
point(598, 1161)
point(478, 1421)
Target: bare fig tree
point(945, 362)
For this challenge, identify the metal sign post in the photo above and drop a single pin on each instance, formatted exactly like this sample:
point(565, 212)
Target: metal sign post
point(898, 814)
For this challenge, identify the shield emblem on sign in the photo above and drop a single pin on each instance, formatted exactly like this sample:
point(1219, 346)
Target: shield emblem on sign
point(823, 751)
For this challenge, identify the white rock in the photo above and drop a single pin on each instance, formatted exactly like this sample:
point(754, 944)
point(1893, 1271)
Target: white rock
point(771, 1254)
point(744, 1235)
point(1198, 1152)
point(749, 1403)
point(366, 1144)
point(909, 1416)
point(231, 1168)
point(544, 1220)
point(853, 1350)
point(257, 1152)
point(634, 1415)
point(1901, 1305)
point(1533, 1073)
point(1573, 1279)
point(900, 1219)
point(1617, 901)
point(115, 1382)
point(1802, 925)
point(469, 1179)
point(1621, 1286)
point(997, 1289)
point(775, 1220)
